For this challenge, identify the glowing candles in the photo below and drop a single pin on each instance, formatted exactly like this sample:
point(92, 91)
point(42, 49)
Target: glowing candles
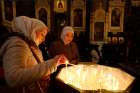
point(95, 77)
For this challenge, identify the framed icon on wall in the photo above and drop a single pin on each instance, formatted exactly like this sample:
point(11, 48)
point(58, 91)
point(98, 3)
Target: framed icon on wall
point(42, 11)
point(8, 8)
point(43, 15)
point(99, 31)
point(60, 6)
point(116, 16)
point(8, 11)
point(78, 18)
point(78, 13)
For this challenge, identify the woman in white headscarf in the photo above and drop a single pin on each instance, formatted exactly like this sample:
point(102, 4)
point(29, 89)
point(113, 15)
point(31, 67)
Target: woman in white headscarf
point(65, 46)
point(22, 60)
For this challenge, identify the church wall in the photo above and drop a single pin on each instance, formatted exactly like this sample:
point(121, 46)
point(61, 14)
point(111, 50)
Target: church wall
point(25, 7)
point(0, 13)
point(92, 16)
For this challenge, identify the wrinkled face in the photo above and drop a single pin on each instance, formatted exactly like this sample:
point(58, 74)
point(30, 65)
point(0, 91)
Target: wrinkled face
point(41, 35)
point(68, 37)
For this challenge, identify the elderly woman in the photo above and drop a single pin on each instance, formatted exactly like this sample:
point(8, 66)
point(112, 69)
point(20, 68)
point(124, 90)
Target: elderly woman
point(22, 60)
point(65, 46)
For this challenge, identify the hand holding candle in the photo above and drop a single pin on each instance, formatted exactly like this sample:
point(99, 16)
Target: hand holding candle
point(62, 60)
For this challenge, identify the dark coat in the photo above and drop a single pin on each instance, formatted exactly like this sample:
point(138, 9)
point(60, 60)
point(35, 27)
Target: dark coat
point(70, 50)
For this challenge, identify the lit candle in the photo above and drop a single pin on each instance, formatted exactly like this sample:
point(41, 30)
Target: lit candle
point(66, 70)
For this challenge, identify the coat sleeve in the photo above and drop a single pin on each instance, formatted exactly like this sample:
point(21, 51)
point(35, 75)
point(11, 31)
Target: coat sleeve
point(15, 60)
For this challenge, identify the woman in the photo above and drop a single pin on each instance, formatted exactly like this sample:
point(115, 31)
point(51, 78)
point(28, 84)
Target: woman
point(22, 60)
point(65, 46)
point(94, 53)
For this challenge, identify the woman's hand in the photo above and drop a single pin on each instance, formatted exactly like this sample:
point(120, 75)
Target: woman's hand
point(56, 61)
point(62, 60)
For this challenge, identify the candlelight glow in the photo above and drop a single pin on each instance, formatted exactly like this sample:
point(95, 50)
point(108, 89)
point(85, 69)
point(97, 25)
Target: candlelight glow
point(66, 61)
point(94, 77)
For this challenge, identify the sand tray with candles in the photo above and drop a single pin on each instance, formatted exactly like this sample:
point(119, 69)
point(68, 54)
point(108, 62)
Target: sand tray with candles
point(94, 79)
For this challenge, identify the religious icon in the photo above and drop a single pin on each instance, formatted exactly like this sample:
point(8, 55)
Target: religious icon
point(99, 31)
point(43, 15)
point(60, 4)
point(8, 8)
point(115, 17)
point(78, 18)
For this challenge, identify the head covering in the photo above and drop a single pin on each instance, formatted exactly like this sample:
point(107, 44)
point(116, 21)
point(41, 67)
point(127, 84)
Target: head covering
point(65, 30)
point(27, 26)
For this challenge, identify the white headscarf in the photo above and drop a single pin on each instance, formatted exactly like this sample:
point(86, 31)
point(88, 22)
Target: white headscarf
point(65, 30)
point(27, 26)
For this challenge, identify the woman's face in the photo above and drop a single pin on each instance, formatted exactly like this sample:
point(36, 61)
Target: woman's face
point(68, 37)
point(41, 35)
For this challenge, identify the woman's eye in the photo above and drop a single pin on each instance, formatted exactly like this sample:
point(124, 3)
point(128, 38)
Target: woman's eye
point(43, 35)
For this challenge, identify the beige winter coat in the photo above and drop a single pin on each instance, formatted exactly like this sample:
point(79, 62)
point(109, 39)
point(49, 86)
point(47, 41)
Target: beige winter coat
point(18, 56)
point(20, 65)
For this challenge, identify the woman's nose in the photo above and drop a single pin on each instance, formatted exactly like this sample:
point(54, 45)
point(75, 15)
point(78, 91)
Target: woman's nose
point(43, 39)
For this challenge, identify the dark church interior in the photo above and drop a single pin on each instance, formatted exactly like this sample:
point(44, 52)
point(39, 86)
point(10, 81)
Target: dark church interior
point(110, 27)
